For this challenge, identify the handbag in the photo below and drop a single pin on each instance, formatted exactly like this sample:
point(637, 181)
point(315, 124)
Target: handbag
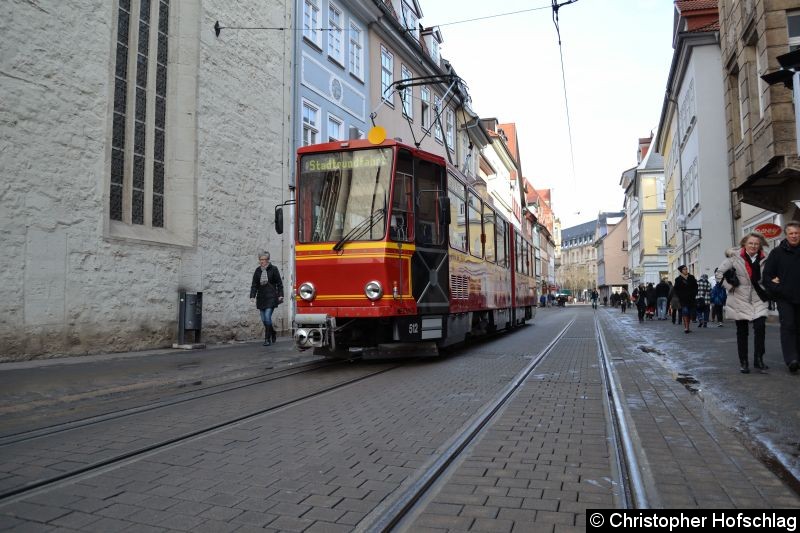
point(731, 277)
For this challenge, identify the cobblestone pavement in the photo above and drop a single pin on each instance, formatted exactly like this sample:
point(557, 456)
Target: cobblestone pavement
point(325, 465)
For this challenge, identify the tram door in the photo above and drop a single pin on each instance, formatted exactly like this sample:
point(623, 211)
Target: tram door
point(429, 265)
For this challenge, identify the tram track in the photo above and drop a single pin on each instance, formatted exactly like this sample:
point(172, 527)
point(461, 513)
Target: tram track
point(397, 513)
point(179, 398)
point(158, 443)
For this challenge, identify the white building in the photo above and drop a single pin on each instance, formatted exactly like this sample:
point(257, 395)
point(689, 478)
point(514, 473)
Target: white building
point(692, 137)
point(141, 156)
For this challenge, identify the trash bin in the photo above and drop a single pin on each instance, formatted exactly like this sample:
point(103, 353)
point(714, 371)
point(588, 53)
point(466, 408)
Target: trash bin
point(190, 316)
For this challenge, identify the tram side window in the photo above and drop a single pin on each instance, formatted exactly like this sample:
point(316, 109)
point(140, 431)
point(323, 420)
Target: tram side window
point(401, 223)
point(475, 228)
point(527, 258)
point(430, 226)
point(458, 214)
point(517, 254)
point(488, 227)
point(502, 243)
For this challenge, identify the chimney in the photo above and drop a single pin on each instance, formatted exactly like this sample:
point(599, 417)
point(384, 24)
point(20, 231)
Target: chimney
point(644, 146)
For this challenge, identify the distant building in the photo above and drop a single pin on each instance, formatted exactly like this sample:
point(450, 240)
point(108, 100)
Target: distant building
point(612, 253)
point(645, 207)
point(578, 268)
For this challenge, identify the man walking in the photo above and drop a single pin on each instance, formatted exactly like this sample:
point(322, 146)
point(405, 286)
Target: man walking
point(662, 293)
point(781, 276)
point(686, 290)
point(703, 301)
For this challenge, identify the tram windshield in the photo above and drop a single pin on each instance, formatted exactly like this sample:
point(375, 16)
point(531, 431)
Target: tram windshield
point(343, 196)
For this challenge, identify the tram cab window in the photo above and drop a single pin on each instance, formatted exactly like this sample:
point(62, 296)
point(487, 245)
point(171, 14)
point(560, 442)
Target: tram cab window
point(430, 226)
point(401, 226)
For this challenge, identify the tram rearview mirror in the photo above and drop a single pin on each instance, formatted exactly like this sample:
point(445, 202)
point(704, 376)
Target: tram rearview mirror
point(279, 219)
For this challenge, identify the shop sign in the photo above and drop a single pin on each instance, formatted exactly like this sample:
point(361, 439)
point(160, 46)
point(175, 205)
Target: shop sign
point(768, 230)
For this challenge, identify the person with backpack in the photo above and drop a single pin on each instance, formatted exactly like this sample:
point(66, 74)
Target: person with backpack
point(718, 298)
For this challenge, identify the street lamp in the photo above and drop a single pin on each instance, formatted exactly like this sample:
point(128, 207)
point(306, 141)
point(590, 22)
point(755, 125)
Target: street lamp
point(789, 76)
point(682, 225)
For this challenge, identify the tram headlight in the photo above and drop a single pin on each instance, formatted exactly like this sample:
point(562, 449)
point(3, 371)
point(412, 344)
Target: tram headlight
point(373, 290)
point(307, 291)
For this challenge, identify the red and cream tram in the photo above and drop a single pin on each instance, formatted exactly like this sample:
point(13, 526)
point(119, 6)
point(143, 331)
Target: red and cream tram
point(395, 253)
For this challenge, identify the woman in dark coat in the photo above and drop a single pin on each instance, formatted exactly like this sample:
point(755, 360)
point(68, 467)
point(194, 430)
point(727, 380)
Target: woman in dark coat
point(686, 290)
point(266, 292)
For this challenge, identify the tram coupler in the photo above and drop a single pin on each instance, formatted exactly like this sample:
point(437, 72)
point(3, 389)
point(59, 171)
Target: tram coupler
point(314, 330)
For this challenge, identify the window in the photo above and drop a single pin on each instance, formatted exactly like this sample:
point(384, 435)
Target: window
point(425, 113)
point(356, 51)
point(435, 50)
point(502, 243)
point(761, 85)
point(335, 32)
point(437, 130)
point(311, 22)
point(335, 128)
point(407, 95)
point(387, 75)
point(450, 126)
point(489, 218)
point(793, 25)
point(410, 21)
point(475, 225)
point(138, 144)
point(737, 124)
point(310, 123)
point(458, 210)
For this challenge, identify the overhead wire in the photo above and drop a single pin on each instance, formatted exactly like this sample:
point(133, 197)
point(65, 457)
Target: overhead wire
point(556, 6)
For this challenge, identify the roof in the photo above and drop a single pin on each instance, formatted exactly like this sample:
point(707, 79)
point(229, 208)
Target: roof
point(587, 229)
point(694, 5)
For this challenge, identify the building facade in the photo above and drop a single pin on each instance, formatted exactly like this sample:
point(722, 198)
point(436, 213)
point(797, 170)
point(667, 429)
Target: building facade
point(691, 137)
point(646, 211)
point(577, 272)
point(763, 164)
point(142, 159)
point(612, 253)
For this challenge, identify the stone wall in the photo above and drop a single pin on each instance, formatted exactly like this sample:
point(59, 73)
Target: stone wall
point(68, 285)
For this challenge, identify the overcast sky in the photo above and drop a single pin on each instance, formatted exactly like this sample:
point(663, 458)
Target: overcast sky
point(616, 59)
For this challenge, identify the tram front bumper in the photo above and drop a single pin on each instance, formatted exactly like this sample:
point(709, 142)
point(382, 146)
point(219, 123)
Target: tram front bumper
point(314, 331)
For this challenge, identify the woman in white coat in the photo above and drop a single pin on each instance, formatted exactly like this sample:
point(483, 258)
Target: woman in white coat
point(747, 300)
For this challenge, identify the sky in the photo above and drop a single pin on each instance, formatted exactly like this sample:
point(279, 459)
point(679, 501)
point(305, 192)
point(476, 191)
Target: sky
point(616, 54)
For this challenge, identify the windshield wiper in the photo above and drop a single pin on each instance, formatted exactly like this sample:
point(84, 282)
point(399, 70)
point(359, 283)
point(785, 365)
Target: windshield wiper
point(360, 229)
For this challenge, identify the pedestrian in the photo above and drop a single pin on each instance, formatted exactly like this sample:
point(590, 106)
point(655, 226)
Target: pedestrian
point(718, 298)
point(662, 293)
point(594, 296)
point(686, 290)
point(740, 274)
point(640, 294)
point(605, 301)
point(674, 305)
point(782, 279)
point(266, 291)
point(650, 296)
point(623, 297)
point(703, 301)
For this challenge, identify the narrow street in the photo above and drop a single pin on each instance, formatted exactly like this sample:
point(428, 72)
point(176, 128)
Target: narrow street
point(513, 433)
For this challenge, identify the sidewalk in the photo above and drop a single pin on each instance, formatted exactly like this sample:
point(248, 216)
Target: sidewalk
point(762, 409)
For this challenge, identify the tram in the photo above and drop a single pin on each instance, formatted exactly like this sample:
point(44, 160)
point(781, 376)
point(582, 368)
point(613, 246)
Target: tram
point(396, 254)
